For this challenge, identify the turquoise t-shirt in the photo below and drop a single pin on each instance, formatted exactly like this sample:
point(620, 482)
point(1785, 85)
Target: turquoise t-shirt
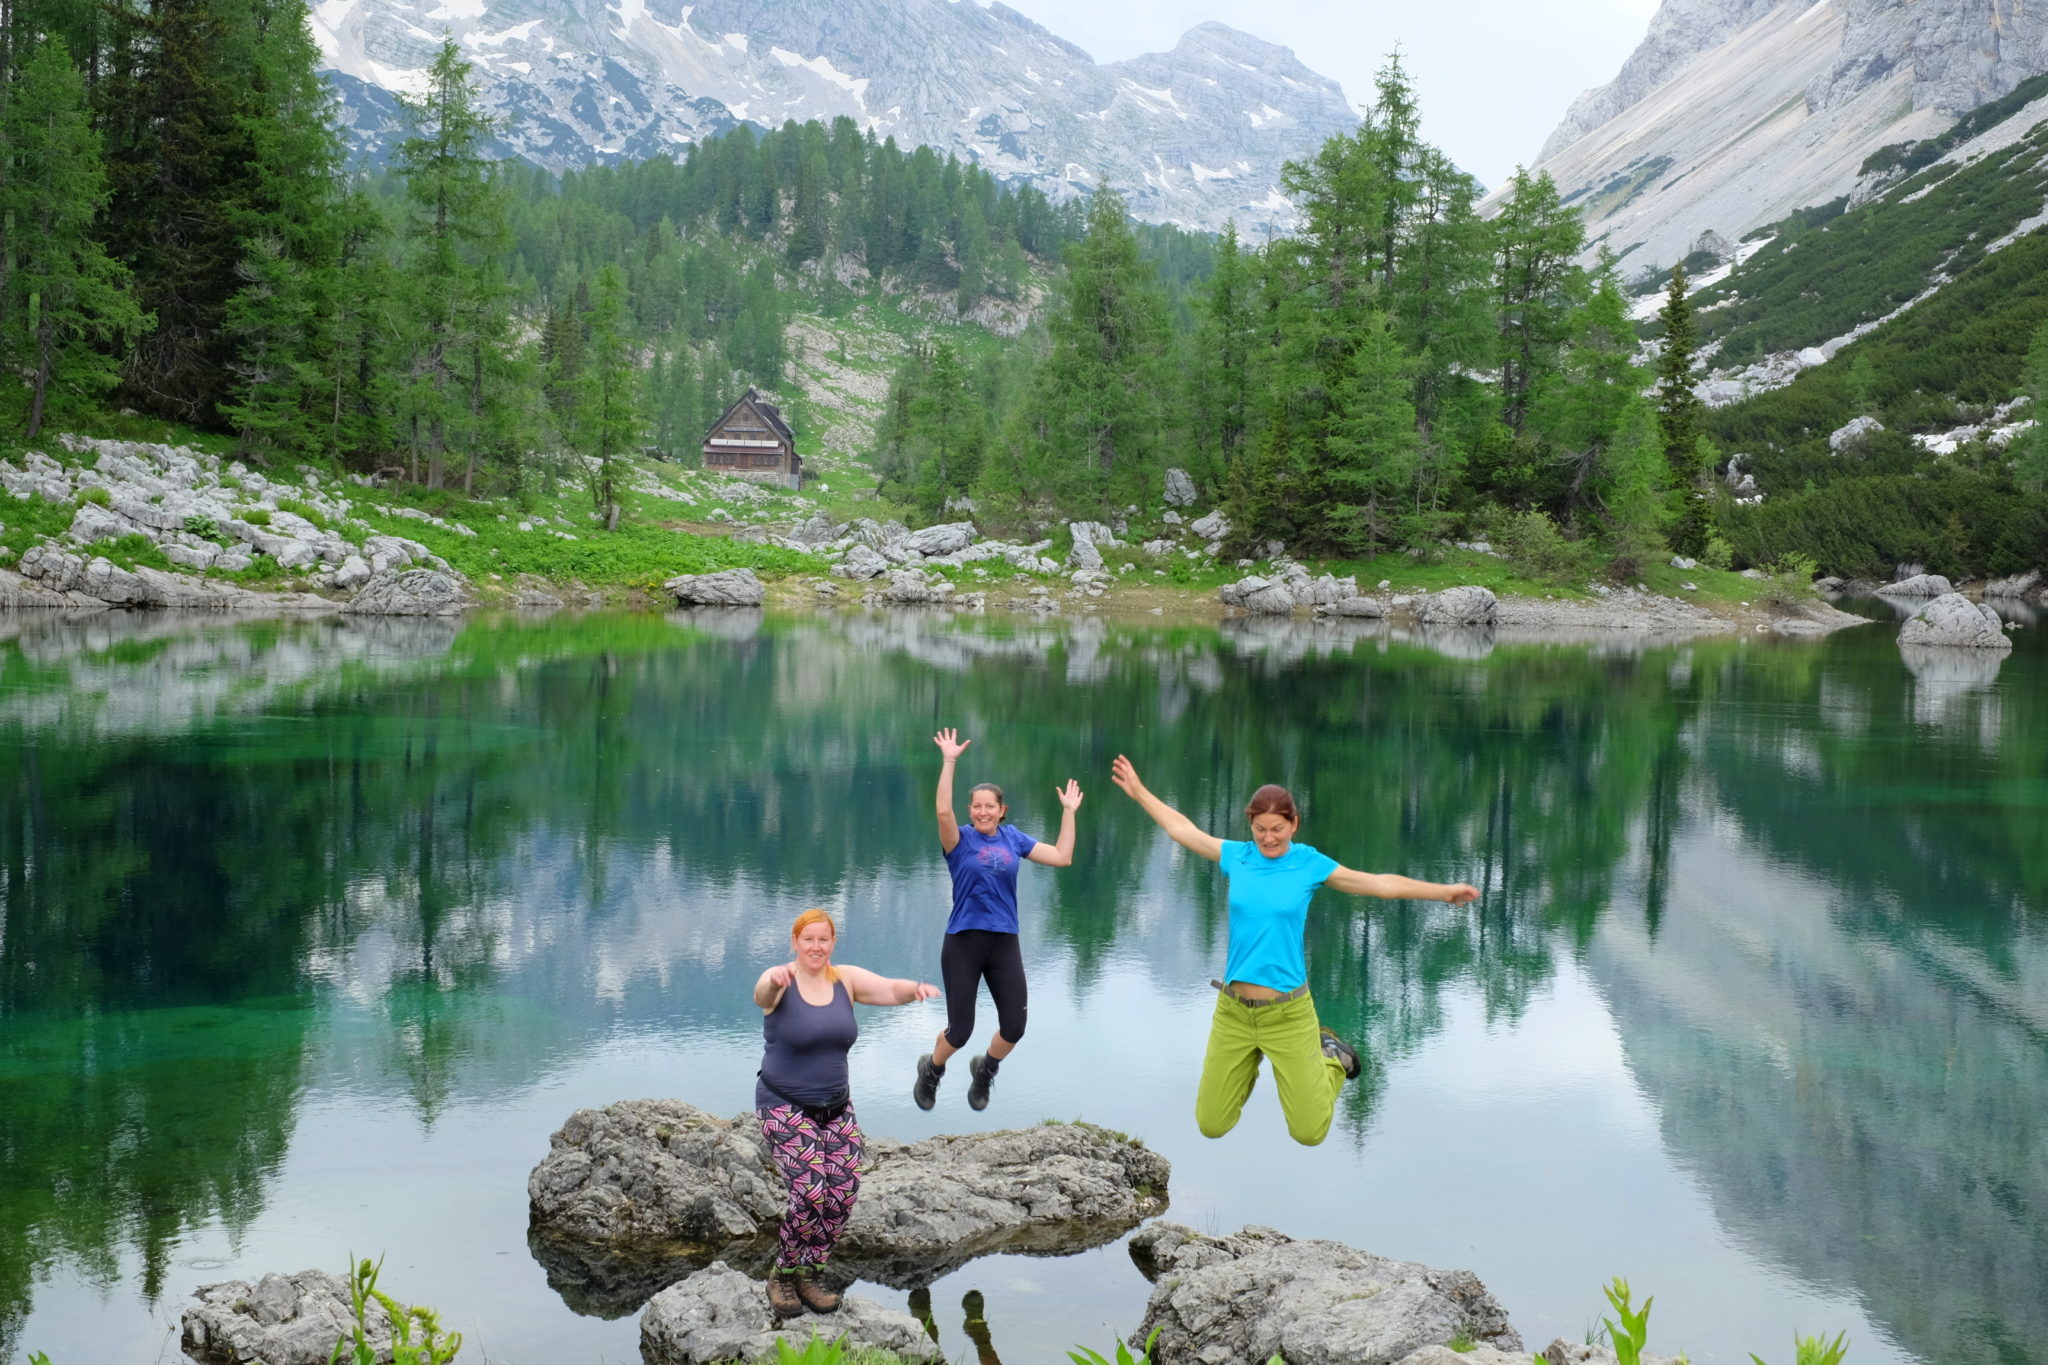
point(1269, 911)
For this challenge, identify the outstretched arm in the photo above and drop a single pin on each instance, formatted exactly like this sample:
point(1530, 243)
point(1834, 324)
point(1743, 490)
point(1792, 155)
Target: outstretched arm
point(870, 989)
point(1060, 854)
point(951, 746)
point(768, 990)
point(1392, 887)
point(1178, 827)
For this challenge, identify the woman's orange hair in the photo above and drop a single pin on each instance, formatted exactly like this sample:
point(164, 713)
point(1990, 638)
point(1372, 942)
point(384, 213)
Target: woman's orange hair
point(805, 921)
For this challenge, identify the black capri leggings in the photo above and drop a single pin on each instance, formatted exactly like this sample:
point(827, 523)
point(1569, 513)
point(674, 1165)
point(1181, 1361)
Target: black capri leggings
point(970, 957)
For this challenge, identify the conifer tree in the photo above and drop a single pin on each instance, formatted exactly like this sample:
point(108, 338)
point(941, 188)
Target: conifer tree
point(608, 409)
point(1222, 385)
point(65, 296)
point(1360, 495)
point(1536, 287)
point(945, 425)
point(1678, 415)
point(1593, 400)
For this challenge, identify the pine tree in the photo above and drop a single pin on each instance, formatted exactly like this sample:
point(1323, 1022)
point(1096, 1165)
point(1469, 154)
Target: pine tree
point(65, 296)
point(1222, 386)
point(1678, 417)
point(1633, 466)
point(1536, 288)
point(1593, 397)
point(609, 419)
point(1360, 493)
point(945, 426)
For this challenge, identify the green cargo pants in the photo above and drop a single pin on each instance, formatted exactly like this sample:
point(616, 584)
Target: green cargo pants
point(1285, 1034)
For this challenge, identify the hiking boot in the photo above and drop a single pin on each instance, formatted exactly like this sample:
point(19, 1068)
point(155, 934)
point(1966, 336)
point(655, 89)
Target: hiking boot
point(815, 1295)
point(926, 1091)
point(782, 1299)
point(981, 1074)
point(1333, 1046)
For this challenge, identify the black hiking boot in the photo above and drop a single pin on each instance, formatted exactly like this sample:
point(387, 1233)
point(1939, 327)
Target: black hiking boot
point(1333, 1046)
point(981, 1074)
point(782, 1299)
point(926, 1091)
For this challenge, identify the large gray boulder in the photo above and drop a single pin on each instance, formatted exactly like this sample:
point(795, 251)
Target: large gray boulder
point(1248, 1297)
point(940, 540)
point(632, 1197)
point(409, 592)
point(2019, 585)
point(1365, 607)
point(1954, 620)
point(720, 1314)
point(915, 588)
point(1465, 606)
point(1213, 527)
point(1918, 585)
point(1852, 433)
point(1180, 489)
point(279, 1320)
point(861, 563)
point(1259, 596)
point(726, 588)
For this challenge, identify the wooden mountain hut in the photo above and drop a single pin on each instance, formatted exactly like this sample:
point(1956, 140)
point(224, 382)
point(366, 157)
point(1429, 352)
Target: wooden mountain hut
point(752, 442)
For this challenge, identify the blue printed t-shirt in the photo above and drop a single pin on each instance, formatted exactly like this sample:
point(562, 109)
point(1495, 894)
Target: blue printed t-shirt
point(984, 868)
point(1269, 911)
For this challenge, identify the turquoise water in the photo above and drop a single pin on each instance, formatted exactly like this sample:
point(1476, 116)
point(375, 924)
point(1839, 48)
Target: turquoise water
point(312, 932)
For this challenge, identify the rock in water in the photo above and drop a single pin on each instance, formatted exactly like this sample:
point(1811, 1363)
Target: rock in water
point(1259, 596)
point(279, 1320)
point(2019, 585)
point(726, 588)
point(1956, 621)
point(719, 1314)
point(1466, 606)
point(1919, 585)
point(634, 1196)
point(409, 592)
point(1260, 1292)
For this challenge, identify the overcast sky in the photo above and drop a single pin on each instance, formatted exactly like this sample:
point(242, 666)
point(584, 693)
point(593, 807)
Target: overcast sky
point(1494, 76)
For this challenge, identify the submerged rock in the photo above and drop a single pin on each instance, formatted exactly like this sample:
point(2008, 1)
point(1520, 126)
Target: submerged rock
point(1260, 1293)
point(720, 1314)
point(1956, 621)
point(634, 1196)
point(279, 1320)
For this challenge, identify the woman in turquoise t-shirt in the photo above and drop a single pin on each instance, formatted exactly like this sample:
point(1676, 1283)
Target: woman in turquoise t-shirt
point(1263, 1008)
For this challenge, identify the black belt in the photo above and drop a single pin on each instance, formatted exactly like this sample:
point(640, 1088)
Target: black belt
point(1295, 994)
point(817, 1113)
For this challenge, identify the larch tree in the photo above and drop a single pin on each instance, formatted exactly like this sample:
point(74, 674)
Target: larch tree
point(609, 419)
point(1678, 419)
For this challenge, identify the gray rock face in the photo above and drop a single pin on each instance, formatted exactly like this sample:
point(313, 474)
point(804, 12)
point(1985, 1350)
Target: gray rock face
point(1680, 31)
point(1213, 527)
point(941, 540)
point(719, 1314)
point(1466, 606)
point(1956, 621)
point(1246, 1297)
point(279, 1320)
point(409, 592)
point(861, 563)
point(632, 1197)
point(1852, 431)
point(2019, 585)
point(1084, 555)
point(726, 588)
point(1180, 489)
point(1918, 585)
point(1259, 596)
point(1365, 607)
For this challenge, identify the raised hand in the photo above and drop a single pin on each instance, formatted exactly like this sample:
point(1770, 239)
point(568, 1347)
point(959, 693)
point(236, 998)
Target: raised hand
point(1125, 776)
point(951, 746)
point(782, 973)
point(1069, 795)
point(1461, 894)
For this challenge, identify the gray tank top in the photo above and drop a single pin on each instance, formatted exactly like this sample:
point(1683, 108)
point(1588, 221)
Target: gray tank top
point(806, 1054)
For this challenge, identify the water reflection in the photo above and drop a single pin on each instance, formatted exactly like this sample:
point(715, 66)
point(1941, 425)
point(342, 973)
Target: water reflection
point(495, 841)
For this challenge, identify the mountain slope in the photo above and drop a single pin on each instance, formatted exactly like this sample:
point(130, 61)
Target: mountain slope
point(1735, 113)
point(1194, 136)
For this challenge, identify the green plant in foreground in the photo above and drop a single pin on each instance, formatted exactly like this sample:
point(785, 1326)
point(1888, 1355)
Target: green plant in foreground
point(355, 1349)
point(1464, 1342)
point(1817, 1350)
point(95, 494)
point(816, 1351)
point(1634, 1328)
point(1081, 1355)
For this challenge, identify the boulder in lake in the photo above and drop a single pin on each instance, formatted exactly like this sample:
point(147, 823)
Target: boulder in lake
point(1259, 596)
point(2019, 585)
point(1954, 620)
point(634, 1196)
point(1260, 1293)
point(726, 588)
point(1464, 606)
point(409, 592)
point(279, 1320)
point(719, 1314)
point(1368, 607)
point(1919, 585)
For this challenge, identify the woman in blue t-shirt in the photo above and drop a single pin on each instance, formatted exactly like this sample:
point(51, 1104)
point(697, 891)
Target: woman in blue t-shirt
point(1263, 1008)
point(981, 935)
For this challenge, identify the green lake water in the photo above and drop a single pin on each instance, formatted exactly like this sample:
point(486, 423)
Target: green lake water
point(311, 932)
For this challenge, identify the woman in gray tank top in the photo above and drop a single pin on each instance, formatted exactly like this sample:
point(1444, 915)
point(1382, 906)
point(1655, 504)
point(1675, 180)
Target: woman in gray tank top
point(801, 1095)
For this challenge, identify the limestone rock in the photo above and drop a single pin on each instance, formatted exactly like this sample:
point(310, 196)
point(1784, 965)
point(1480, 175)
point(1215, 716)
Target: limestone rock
point(409, 592)
point(1249, 1296)
point(1465, 606)
point(719, 1314)
point(2019, 585)
point(1259, 596)
point(632, 1197)
point(915, 588)
point(279, 1320)
point(1367, 607)
point(1562, 1352)
point(1180, 489)
point(726, 588)
point(862, 562)
point(1955, 620)
point(1213, 527)
point(1919, 585)
point(353, 572)
point(940, 540)
point(1084, 555)
point(1851, 432)
point(815, 529)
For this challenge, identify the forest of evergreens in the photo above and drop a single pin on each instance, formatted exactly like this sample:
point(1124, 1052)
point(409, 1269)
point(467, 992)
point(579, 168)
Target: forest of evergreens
point(184, 239)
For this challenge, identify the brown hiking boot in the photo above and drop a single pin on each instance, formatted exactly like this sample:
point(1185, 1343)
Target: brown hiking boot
point(782, 1295)
point(815, 1295)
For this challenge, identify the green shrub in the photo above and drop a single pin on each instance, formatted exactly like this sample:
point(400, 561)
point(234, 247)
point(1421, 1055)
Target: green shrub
point(256, 516)
point(1788, 582)
point(99, 496)
point(1532, 543)
point(206, 528)
point(354, 1348)
point(300, 508)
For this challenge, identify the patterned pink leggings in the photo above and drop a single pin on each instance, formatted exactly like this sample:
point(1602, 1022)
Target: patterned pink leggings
point(821, 1164)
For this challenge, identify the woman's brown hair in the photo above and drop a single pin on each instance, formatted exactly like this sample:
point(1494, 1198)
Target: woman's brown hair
point(805, 921)
point(1273, 799)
